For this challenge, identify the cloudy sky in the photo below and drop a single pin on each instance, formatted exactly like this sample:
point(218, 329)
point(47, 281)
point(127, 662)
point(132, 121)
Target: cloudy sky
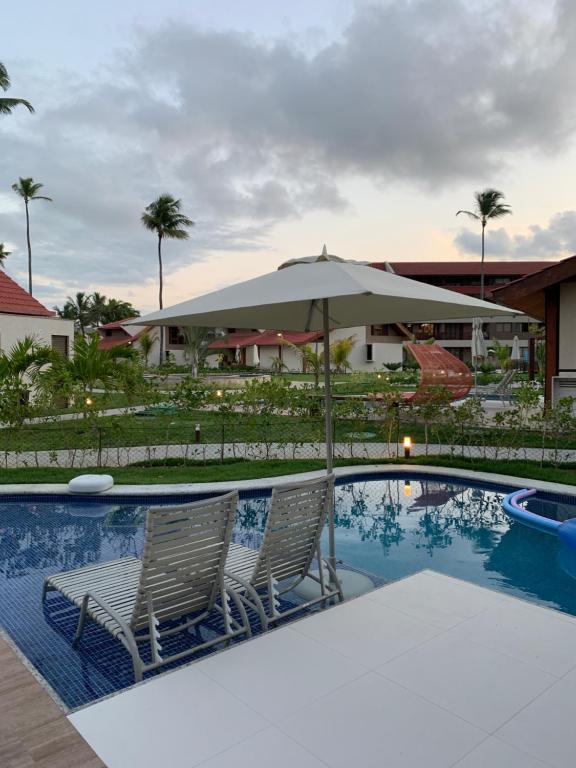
point(363, 124)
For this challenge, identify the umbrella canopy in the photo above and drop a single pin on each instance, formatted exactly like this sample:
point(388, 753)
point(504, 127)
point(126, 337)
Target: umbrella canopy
point(255, 355)
point(291, 299)
point(478, 341)
point(237, 353)
point(320, 293)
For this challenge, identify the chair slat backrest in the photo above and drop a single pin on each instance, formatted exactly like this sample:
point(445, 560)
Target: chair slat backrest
point(185, 551)
point(293, 529)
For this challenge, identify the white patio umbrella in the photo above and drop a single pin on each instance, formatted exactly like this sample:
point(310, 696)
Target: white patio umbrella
point(515, 353)
point(320, 293)
point(255, 355)
point(237, 353)
point(478, 346)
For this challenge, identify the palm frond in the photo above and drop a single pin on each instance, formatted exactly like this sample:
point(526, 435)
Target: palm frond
point(470, 214)
point(7, 105)
point(4, 78)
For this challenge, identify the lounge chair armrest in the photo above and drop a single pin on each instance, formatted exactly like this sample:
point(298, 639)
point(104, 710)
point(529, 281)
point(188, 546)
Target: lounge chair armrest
point(238, 579)
point(122, 623)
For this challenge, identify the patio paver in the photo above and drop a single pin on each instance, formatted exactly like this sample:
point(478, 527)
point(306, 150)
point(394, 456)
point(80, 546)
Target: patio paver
point(436, 695)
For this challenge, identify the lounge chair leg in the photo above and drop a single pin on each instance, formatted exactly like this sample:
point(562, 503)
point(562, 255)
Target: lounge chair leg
point(81, 620)
point(45, 588)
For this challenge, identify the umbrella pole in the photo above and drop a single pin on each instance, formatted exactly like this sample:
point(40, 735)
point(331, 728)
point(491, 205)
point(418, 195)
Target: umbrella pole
point(328, 436)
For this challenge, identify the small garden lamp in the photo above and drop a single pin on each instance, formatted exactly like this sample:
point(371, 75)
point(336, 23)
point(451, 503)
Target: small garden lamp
point(89, 402)
point(407, 443)
point(219, 393)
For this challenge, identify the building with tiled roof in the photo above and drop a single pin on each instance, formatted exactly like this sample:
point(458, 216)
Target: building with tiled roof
point(22, 315)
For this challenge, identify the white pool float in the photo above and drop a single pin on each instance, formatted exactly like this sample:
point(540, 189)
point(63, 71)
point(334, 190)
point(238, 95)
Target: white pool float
point(90, 483)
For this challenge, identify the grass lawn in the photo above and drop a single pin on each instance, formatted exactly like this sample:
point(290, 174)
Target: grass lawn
point(214, 471)
point(178, 428)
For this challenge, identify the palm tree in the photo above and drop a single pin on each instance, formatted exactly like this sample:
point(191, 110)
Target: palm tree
point(97, 308)
point(197, 342)
point(28, 190)
point(78, 309)
point(3, 254)
point(487, 206)
point(88, 368)
point(116, 309)
point(340, 351)
point(163, 217)
point(20, 372)
point(6, 104)
point(146, 342)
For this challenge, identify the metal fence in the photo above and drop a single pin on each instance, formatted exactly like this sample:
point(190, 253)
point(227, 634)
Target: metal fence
point(92, 444)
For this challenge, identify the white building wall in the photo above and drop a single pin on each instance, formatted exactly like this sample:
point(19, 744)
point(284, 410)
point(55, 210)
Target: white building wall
point(382, 351)
point(567, 324)
point(14, 328)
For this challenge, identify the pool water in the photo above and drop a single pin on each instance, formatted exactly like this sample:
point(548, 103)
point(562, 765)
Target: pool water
point(390, 527)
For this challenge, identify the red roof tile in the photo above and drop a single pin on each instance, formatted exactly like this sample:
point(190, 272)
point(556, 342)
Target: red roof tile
point(109, 343)
point(469, 268)
point(118, 323)
point(14, 300)
point(264, 339)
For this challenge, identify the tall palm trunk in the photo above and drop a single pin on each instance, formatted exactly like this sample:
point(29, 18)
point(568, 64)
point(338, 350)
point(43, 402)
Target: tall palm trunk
point(482, 263)
point(29, 248)
point(160, 301)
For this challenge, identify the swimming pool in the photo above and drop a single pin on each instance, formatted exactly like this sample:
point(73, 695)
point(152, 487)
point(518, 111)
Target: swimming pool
point(389, 526)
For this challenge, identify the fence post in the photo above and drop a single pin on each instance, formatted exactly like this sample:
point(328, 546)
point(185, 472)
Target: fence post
point(99, 460)
point(223, 435)
point(333, 436)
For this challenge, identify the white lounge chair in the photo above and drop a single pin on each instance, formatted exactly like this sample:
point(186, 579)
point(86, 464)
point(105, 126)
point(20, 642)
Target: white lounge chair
point(502, 388)
point(290, 546)
point(180, 576)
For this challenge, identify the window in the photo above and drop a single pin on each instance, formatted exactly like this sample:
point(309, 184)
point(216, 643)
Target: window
point(379, 330)
point(60, 345)
point(108, 332)
point(369, 353)
point(175, 336)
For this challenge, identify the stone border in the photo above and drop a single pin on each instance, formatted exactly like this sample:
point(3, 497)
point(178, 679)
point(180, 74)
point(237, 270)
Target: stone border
point(164, 489)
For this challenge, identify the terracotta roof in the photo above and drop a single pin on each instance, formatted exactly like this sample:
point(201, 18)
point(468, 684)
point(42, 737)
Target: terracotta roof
point(264, 339)
point(118, 323)
point(14, 300)
point(468, 268)
point(109, 343)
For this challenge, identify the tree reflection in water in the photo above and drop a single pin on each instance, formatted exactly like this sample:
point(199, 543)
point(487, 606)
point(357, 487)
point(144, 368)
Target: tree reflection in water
point(50, 537)
point(432, 514)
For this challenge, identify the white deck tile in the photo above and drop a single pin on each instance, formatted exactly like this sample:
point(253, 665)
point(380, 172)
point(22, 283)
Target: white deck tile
point(373, 723)
point(436, 599)
point(280, 672)
point(546, 729)
point(178, 719)
point(306, 695)
point(365, 630)
point(493, 753)
point(481, 685)
point(266, 749)
point(536, 636)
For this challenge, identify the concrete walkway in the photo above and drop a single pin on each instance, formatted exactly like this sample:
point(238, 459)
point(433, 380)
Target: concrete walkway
point(428, 671)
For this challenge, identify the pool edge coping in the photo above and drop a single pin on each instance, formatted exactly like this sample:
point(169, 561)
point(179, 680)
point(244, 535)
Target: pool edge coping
point(165, 489)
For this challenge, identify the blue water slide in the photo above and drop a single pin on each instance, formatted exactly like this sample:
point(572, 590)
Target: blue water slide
point(512, 506)
point(566, 531)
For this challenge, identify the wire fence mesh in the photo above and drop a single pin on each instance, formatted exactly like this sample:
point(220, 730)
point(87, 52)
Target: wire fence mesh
point(208, 437)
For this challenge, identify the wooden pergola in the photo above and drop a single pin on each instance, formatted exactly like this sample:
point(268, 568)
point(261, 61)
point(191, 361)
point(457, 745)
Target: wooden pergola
point(538, 295)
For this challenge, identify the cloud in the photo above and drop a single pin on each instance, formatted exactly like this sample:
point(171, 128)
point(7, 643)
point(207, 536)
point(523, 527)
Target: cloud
point(556, 240)
point(252, 133)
